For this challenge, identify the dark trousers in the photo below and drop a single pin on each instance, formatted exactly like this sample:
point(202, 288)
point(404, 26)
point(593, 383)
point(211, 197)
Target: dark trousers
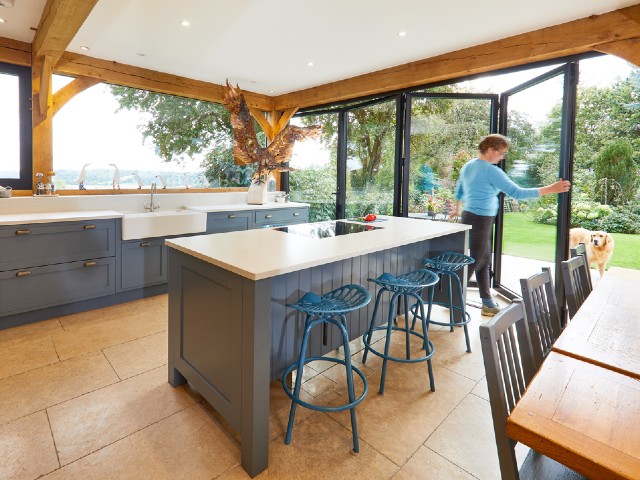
point(480, 249)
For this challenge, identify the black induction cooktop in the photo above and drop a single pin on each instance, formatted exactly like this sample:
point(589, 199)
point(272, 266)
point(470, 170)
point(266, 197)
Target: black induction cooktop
point(326, 229)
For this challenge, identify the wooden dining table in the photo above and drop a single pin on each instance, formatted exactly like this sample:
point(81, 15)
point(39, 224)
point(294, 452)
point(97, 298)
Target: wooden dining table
point(583, 406)
point(606, 329)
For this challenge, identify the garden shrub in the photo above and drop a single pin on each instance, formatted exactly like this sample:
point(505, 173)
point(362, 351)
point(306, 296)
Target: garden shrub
point(620, 222)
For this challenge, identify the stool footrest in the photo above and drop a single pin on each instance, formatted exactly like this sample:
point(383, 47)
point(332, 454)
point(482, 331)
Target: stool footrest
point(445, 324)
point(368, 346)
point(324, 408)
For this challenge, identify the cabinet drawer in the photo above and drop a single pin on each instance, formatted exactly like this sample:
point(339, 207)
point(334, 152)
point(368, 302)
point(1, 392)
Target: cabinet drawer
point(40, 287)
point(143, 263)
point(50, 243)
point(281, 216)
point(221, 222)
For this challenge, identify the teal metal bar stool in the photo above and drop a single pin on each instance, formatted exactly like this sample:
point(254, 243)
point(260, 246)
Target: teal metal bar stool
point(405, 286)
point(449, 264)
point(328, 308)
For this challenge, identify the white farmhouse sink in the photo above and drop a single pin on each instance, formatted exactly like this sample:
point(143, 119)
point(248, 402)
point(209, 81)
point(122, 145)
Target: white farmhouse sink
point(162, 224)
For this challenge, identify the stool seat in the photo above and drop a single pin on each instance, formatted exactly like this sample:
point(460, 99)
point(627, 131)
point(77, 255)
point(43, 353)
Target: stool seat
point(338, 301)
point(449, 263)
point(407, 285)
point(329, 308)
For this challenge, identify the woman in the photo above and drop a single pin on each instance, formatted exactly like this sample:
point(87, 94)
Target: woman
point(478, 188)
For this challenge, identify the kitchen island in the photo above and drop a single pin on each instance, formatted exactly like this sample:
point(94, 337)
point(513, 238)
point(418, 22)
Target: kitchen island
point(230, 331)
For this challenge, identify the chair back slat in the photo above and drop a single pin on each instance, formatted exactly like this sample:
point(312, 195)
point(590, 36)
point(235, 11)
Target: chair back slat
point(509, 366)
point(576, 285)
point(541, 312)
point(581, 249)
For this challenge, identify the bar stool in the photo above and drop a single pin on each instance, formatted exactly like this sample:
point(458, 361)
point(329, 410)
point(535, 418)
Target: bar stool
point(407, 285)
point(328, 308)
point(449, 263)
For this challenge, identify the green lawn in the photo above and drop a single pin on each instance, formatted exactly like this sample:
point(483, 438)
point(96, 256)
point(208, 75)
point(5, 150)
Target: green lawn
point(523, 238)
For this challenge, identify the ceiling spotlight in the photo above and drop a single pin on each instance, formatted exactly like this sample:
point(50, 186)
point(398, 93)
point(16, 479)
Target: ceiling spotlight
point(141, 54)
point(310, 64)
point(184, 23)
point(84, 48)
point(2, 20)
point(6, 3)
point(271, 91)
point(402, 34)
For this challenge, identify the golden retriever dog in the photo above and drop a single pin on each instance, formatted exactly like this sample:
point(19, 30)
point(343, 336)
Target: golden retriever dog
point(599, 246)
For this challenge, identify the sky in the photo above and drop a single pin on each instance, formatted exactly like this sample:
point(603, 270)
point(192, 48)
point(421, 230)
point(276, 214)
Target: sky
point(87, 130)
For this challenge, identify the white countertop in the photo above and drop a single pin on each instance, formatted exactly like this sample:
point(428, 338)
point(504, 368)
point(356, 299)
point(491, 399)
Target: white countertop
point(48, 217)
point(244, 206)
point(264, 253)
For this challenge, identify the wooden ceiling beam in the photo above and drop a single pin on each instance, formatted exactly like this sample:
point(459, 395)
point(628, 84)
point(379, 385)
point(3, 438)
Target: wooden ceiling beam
point(569, 38)
point(15, 52)
point(628, 50)
point(70, 90)
point(129, 76)
point(60, 21)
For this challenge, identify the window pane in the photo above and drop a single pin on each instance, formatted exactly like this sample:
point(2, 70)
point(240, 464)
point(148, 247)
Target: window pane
point(314, 180)
point(149, 137)
point(371, 133)
point(9, 126)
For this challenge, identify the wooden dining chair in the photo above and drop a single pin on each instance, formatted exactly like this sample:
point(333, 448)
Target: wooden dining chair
point(576, 286)
point(509, 366)
point(541, 312)
point(581, 249)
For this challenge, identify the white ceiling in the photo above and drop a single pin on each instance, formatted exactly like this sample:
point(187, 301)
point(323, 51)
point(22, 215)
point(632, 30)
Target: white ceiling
point(265, 46)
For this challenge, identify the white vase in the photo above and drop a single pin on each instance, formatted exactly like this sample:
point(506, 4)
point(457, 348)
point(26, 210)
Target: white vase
point(257, 194)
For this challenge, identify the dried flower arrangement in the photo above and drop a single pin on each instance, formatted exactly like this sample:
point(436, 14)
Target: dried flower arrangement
point(246, 148)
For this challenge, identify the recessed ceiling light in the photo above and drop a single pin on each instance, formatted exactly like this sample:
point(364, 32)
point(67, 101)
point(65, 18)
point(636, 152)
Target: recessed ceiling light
point(2, 20)
point(309, 64)
point(85, 48)
point(185, 23)
point(402, 34)
point(141, 54)
point(271, 91)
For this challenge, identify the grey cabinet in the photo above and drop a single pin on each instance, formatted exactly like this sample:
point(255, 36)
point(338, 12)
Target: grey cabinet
point(281, 216)
point(43, 265)
point(49, 243)
point(143, 263)
point(220, 222)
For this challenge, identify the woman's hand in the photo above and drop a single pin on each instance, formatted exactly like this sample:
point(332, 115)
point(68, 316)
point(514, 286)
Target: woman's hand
point(560, 186)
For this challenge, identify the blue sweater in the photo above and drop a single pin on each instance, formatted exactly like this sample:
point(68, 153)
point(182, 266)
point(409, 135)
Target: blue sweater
point(479, 185)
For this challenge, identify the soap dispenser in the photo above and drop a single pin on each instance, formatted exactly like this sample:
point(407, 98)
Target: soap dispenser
point(271, 183)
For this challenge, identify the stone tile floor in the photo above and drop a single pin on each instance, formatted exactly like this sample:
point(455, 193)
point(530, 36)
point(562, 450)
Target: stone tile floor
point(86, 396)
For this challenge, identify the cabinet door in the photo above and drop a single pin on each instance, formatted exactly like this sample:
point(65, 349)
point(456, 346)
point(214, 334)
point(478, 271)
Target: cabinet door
point(143, 263)
point(281, 216)
point(221, 222)
point(39, 244)
point(39, 287)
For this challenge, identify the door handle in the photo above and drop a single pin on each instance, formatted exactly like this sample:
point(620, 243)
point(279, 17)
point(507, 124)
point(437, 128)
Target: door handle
point(231, 215)
point(23, 273)
point(145, 244)
point(26, 231)
point(90, 263)
point(89, 227)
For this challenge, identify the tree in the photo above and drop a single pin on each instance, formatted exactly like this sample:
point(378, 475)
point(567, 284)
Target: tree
point(615, 164)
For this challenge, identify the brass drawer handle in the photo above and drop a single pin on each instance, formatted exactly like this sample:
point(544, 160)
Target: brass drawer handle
point(89, 227)
point(90, 263)
point(296, 214)
point(267, 216)
point(26, 231)
point(145, 244)
point(231, 216)
point(23, 273)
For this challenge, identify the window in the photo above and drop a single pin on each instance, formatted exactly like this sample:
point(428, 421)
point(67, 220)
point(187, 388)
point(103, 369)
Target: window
point(110, 137)
point(15, 127)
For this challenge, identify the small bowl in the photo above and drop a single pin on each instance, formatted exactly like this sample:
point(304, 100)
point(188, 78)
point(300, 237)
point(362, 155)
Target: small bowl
point(5, 193)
